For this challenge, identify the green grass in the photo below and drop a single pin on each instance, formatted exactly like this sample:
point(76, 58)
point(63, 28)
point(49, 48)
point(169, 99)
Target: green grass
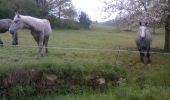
point(143, 82)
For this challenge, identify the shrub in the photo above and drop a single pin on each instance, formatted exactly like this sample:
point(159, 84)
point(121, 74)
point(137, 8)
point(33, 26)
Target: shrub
point(21, 92)
point(84, 20)
point(63, 23)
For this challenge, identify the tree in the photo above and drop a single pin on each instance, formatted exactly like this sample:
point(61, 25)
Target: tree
point(44, 6)
point(63, 9)
point(50, 9)
point(85, 20)
point(28, 7)
point(134, 10)
point(151, 11)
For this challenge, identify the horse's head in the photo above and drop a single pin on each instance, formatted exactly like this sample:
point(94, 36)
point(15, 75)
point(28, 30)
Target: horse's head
point(17, 23)
point(142, 29)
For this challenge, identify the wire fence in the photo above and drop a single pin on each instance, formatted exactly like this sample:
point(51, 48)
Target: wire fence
point(89, 49)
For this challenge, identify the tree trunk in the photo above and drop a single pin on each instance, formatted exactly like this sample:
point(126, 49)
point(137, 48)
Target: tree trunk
point(154, 28)
point(59, 14)
point(167, 34)
point(129, 28)
point(167, 30)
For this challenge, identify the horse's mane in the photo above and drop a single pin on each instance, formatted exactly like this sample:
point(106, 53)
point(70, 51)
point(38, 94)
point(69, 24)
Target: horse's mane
point(29, 18)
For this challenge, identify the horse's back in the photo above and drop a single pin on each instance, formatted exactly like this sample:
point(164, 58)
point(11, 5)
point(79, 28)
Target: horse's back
point(4, 25)
point(10, 20)
point(3, 21)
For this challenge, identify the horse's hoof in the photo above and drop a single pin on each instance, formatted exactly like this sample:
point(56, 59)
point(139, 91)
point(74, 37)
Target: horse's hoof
point(46, 52)
point(142, 62)
point(14, 44)
point(38, 57)
point(42, 55)
point(1, 45)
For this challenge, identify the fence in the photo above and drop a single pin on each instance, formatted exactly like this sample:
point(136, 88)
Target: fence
point(89, 49)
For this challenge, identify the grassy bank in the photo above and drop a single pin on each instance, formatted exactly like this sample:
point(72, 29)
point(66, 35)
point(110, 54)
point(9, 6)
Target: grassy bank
point(125, 77)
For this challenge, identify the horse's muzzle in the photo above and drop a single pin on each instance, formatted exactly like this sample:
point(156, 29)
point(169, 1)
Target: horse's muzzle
point(142, 38)
point(12, 32)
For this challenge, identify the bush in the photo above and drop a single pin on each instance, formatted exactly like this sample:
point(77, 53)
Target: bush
point(69, 24)
point(85, 20)
point(64, 23)
point(21, 92)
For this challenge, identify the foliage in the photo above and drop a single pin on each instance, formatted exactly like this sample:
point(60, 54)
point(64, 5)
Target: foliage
point(69, 24)
point(27, 7)
point(19, 92)
point(57, 78)
point(39, 8)
point(84, 20)
point(63, 23)
point(63, 9)
point(133, 11)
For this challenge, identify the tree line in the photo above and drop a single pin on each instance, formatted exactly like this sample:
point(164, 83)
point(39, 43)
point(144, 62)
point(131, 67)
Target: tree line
point(61, 13)
point(130, 12)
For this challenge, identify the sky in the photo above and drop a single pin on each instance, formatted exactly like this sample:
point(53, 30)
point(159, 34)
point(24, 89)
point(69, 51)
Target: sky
point(92, 9)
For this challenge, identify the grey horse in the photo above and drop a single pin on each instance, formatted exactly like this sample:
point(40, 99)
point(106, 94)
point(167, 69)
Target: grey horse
point(4, 27)
point(40, 30)
point(143, 41)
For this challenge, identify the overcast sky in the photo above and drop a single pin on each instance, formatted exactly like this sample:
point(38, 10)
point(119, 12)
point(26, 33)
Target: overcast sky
point(92, 8)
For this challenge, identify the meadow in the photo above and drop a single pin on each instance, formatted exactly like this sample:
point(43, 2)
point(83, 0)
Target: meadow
point(125, 78)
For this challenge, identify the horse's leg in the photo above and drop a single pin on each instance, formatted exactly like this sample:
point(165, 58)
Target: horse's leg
point(148, 56)
point(36, 38)
point(15, 39)
point(46, 38)
point(141, 55)
point(40, 45)
point(1, 43)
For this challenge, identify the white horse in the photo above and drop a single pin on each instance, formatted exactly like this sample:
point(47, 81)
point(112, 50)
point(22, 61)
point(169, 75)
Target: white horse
point(143, 41)
point(40, 30)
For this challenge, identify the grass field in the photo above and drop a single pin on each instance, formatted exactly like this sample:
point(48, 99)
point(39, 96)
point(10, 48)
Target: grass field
point(139, 82)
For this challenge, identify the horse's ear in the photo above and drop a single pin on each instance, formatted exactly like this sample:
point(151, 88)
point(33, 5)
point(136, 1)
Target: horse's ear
point(140, 23)
point(18, 15)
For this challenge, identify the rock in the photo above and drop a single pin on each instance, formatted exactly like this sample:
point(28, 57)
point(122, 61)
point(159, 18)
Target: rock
point(101, 81)
point(51, 77)
point(121, 81)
